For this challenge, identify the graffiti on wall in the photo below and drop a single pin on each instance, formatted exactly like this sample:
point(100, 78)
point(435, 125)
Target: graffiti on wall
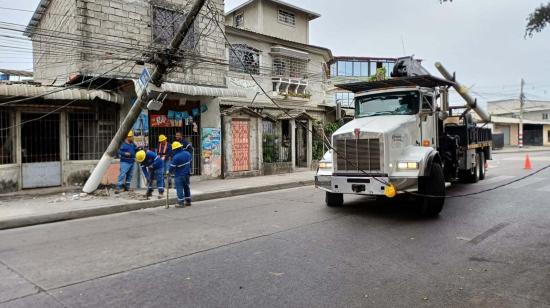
point(211, 151)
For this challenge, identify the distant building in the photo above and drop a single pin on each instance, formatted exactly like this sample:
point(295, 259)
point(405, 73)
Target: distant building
point(536, 128)
point(349, 69)
point(15, 75)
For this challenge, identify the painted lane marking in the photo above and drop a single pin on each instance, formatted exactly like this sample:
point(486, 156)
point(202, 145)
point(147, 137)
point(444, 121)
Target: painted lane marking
point(483, 236)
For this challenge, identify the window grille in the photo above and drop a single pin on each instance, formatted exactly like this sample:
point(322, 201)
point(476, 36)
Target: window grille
point(284, 66)
point(7, 138)
point(287, 17)
point(545, 116)
point(166, 24)
point(90, 133)
point(239, 20)
point(275, 148)
point(249, 56)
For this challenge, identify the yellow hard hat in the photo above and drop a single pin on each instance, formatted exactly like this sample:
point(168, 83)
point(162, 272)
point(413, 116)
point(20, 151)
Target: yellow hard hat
point(162, 138)
point(130, 134)
point(140, 156)
point(176, 145)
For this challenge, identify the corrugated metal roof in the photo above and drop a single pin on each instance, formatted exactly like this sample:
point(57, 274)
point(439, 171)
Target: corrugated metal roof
point(202, 90)
point(294, 114)
point(25, 90)
point(16, 73)
point(427, 81)
point(37, 16)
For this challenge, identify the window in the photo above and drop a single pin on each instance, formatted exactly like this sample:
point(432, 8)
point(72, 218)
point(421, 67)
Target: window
point(284, 66)
point(239, 20)
point(545, 116)
point(90, 133)
point(401, 103)
point(372, 69)
point(548, 136)
point(6, 138)
point(166, 24)
point(245, 59)
point(341, 68)
point(287, 17)
point(357, 69)
point(334, 70)
point(345, 99)
point(364, 69)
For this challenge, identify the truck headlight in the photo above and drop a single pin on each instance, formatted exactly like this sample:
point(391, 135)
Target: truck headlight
point(325, 165)
point(407, 165)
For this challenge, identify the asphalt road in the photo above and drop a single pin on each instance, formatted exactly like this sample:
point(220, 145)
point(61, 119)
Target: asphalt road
point(287, 249)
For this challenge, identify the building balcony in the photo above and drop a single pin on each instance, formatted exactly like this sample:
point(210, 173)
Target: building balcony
point(290, 87)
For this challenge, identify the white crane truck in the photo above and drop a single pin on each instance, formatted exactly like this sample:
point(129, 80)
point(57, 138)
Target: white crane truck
point(406, 138)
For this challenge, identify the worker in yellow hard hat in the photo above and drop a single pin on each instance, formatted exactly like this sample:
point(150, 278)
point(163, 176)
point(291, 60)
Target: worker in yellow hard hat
point(127, 154)
point(181, 168)
point(153, 169)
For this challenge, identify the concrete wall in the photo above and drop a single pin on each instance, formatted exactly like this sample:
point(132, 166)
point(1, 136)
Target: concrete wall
point(546, 135)
point(120, 29)
point(56, 53)
point(272, 26)
point(251, 18)
point(514, 134)
point(10, 177)
point(316, 85)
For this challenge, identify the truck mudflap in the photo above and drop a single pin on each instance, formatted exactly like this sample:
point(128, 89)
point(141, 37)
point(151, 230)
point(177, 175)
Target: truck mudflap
point(363, 185)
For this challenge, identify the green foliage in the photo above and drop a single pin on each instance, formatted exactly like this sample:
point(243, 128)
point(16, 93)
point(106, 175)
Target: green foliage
point(538, 20)
point(380, 74)
point(328, 129)
point(271, 148)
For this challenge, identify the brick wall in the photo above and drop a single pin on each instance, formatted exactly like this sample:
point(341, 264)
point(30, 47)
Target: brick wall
point(116, 32)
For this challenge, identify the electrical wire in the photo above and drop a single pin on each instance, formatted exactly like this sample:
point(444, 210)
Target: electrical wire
point(329, 146)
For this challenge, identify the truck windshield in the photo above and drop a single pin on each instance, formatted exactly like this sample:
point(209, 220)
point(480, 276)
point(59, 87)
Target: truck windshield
point(387, 103)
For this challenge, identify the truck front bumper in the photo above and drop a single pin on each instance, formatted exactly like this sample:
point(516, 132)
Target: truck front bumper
point(361, 185)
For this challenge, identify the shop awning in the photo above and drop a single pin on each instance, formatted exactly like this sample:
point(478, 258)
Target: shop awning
point(202, 90)
point(14, 91)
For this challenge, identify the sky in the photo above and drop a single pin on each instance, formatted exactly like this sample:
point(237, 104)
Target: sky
point(483, 41)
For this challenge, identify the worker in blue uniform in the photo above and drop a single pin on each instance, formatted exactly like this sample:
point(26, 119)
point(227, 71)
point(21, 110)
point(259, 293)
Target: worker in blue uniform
point(181, 168)
point(153, 169)
point(127, 154)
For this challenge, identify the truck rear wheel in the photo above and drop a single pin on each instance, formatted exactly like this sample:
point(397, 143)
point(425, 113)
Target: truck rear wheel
point(334, 200)
point(433, 186)
point(481, 166)
point(472, 175)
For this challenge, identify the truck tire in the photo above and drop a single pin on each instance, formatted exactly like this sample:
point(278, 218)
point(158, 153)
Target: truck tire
point(334, 200)
point(481, 166)
point(432, 185)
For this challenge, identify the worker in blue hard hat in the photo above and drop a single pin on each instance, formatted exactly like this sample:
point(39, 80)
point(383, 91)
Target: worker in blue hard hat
point(153, 169)
point(181, 168)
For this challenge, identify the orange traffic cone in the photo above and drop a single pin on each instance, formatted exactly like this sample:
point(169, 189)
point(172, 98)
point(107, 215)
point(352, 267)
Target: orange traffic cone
point(527, 165)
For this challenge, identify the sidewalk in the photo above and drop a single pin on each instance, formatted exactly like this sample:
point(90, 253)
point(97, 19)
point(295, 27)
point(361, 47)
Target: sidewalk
point(526, 149)
point(30, 209)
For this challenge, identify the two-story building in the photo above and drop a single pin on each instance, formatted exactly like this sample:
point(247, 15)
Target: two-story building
point(52, 136)
point(270, 41)
point(536, 120)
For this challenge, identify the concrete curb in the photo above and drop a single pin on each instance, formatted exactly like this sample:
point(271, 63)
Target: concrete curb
point(100, 211)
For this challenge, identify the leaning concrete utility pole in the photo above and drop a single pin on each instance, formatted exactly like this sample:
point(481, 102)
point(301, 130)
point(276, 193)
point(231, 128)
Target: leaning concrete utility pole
point(521, 105)
point(463, 91)
point(156, 78)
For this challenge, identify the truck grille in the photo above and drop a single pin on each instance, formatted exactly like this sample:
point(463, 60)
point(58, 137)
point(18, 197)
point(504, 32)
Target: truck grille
point(358, 154)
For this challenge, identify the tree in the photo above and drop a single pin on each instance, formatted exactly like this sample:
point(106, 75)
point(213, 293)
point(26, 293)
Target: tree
point(536, 21)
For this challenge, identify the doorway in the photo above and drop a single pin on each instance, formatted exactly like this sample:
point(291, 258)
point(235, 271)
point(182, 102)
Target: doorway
point(240, 131)
point(301, 143)
point(40, 151)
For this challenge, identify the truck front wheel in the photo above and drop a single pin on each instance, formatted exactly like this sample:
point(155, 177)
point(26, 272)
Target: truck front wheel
point(433, 189)
point(334, 200)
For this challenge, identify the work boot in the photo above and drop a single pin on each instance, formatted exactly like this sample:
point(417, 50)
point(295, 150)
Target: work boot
point(180, 205)
point(117, 191)
point(161, 196)
point(188, 203)
point(148, 194)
